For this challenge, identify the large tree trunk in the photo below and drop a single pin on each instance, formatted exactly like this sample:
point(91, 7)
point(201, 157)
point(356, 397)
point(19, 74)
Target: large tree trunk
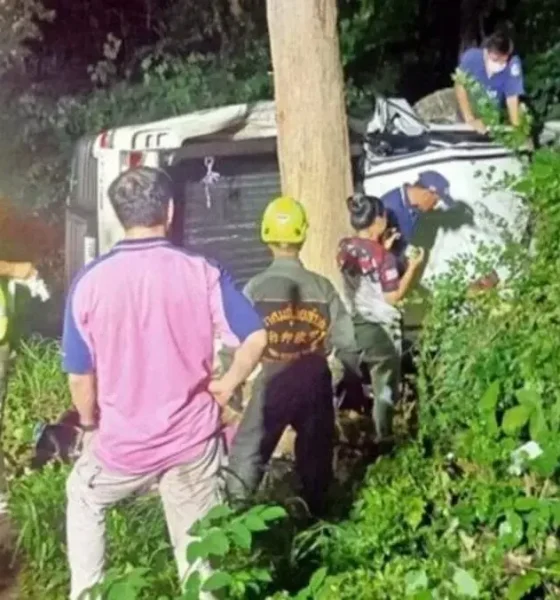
point(313, 141)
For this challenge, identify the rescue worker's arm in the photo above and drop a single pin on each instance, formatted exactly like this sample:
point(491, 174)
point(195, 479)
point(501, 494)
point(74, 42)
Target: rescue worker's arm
point(342, 334)
point(514, 110)
point(466, 110)
point(238, 325)
point(82, 391)
point(514, 89)
point(407, 279)
point(464, 103)
point(467, 68)
point(245, 359)
point(78, 357)
point(17, 270)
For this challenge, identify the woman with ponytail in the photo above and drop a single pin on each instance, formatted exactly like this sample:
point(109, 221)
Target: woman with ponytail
point(373, 288)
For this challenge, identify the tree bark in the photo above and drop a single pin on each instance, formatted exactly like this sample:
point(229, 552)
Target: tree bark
point(313, 140)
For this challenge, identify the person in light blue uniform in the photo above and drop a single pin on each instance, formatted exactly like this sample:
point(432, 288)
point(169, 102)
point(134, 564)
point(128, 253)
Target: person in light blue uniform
point(405, 204)
point(499, 71)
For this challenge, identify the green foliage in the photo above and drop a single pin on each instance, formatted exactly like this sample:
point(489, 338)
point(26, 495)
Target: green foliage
point(44, 129)
point(369, 32)
point(37, 392)
point(543, 82)
point(20, 22)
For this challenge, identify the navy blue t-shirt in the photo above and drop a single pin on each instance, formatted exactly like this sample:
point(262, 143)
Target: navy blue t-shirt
point(402, 216)
point(400, 213)
point(502, 85)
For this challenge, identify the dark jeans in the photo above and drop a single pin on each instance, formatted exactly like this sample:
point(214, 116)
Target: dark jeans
point(381, 347)
point(299, 395)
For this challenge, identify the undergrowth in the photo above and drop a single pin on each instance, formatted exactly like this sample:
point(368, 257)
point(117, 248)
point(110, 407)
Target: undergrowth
point(460, 512)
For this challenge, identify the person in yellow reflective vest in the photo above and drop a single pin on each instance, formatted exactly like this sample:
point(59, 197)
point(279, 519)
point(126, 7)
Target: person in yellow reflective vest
point(22, 272)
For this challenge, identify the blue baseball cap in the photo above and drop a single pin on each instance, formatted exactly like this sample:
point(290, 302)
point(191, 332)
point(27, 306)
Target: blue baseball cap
point(437, 183)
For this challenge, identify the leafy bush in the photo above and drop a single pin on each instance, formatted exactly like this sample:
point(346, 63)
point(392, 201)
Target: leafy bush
point(543, 82)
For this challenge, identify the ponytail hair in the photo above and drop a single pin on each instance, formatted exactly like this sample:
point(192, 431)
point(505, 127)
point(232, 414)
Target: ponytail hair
point(364, 210)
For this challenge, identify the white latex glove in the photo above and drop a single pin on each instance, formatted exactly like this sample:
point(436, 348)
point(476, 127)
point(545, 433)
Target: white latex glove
point(34, 284)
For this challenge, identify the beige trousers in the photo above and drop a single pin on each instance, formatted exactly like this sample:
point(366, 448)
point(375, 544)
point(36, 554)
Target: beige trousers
point(187, 491)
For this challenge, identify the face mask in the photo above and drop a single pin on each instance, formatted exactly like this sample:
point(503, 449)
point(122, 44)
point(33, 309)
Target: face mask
point(440, 205)
point(494, 67)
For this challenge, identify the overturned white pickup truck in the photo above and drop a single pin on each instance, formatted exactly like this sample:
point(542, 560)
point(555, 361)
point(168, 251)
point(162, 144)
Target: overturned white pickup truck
point(399, 147)
point(224, 165)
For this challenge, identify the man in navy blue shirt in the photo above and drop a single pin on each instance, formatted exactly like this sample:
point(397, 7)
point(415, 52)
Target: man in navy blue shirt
point(405, 204)
point(499, 72)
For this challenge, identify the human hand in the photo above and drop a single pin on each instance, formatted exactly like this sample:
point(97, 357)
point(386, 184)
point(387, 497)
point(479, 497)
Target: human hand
point(478, 126)
point(83, 440)
point(392, 237)
point(416, 257)
point(222, 390)
point(18, 270)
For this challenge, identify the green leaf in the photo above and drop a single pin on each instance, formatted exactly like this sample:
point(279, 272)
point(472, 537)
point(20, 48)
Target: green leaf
point(195, 550)
point(273, 513)
point(415, 581)
point(415, 512)
point(515, 418)
point(537, 424)
point(465, 583)
point(241, 535)
point(217, 581)
point(526, 504)
point(122, 590)
point(523, 584)
point(261, 575)
point(423, 595)
point(546, 464)
point(512, 530)
point(489, 400)
point(218, 512)
point(192, 586)
point(317, 579)
point(215, 543)
point(255, 523)
point(555, 512)
point(529, 398)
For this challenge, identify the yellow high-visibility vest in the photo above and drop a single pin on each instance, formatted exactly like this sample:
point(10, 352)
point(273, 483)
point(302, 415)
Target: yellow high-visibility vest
point(5, 309)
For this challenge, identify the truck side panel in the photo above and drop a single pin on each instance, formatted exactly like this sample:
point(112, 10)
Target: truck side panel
point(81, 209)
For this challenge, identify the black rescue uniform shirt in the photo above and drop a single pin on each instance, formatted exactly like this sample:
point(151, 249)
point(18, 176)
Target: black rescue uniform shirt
point(303, 314)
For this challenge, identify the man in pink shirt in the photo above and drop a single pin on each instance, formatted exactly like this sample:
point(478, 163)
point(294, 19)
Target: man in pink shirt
point(138, 346)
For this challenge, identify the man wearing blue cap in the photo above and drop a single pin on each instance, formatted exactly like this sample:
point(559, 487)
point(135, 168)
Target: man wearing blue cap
point(405, 204)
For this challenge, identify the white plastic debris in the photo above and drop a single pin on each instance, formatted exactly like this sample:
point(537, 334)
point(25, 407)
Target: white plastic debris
point(522, 455)
point(35, 285)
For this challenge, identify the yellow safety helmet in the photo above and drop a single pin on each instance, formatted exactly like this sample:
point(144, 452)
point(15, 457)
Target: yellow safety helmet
point(284, 222)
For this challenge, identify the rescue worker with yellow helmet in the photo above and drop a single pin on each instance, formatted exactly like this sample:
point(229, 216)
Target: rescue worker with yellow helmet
point(305, 319)
point(8, 270)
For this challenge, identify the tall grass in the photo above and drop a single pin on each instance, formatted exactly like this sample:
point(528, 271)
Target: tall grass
point(37, 392)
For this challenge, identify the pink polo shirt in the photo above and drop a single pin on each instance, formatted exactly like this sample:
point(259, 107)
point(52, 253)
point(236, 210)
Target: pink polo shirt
point(143, 318)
